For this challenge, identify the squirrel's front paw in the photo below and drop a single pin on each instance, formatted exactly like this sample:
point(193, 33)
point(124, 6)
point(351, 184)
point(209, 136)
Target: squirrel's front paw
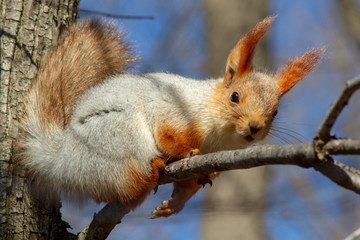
point(194, 152)
point(168, 208)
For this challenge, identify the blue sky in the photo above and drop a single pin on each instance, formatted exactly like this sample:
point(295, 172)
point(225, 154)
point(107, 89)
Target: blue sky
point(300, 26)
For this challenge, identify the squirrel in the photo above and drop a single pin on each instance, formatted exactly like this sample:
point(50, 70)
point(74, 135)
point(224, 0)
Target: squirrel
point(92, 129)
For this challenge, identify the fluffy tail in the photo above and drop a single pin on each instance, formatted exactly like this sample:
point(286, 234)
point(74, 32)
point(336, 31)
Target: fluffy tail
point(84, 57)
point(87, 54)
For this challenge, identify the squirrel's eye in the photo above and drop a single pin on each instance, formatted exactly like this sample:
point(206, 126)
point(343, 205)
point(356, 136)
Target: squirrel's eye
point(234, 97)
point(275, 113)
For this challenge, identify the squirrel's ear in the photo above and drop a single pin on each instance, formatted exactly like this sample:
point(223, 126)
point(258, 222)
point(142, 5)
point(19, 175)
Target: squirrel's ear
point(239, 62)
point(297, 68)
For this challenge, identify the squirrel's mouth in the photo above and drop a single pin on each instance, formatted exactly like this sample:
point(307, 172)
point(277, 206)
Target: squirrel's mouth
point(249, 138)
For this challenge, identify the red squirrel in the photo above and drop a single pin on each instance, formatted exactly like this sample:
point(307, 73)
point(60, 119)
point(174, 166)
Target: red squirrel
point(90, 129)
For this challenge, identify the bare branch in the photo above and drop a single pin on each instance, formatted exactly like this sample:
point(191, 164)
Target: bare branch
point(353, 236)
point(302, 155)
point(298, 154)
point(345, 176)
point(104, 222)
point(343, 147)
point(323, 131)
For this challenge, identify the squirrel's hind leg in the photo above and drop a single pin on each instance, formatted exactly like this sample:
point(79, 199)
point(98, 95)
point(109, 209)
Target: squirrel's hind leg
point(182, 192)
point(143, 185)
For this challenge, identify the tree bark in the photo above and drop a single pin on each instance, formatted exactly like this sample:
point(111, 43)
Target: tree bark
point(27, 29)
point(243, 190)
point(349, 10)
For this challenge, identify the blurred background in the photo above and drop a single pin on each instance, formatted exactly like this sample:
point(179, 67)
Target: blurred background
point(193, 38)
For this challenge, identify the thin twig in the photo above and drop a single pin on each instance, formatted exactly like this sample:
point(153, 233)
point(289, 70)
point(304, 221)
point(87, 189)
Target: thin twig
point(323, 131)
point(343, 175)
point(116, 15)
point(64, 6)
point(343, 147)
point(353, 236)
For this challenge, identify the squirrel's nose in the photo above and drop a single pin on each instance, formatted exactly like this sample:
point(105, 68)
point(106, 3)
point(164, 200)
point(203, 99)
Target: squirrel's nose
point(254, 130)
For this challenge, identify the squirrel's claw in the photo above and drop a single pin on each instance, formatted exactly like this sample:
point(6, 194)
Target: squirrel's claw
point(203, 180)
point(168, 208)
point(156, 189)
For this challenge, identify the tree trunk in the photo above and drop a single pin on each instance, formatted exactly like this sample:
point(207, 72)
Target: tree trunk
point(237, 197)
point(28, 29)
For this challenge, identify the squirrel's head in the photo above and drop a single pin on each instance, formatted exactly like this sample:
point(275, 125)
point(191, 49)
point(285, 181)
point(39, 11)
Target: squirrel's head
point(249, 99)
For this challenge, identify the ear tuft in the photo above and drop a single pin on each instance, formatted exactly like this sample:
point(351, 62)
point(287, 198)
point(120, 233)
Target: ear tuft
point(239, 62)
point(297, 68)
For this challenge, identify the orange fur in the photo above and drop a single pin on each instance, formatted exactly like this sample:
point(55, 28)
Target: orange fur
point(239, 62)
point(96, 51)
point(243, 98)
point(297, 68)
point(178, 142)
point(140, 183)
